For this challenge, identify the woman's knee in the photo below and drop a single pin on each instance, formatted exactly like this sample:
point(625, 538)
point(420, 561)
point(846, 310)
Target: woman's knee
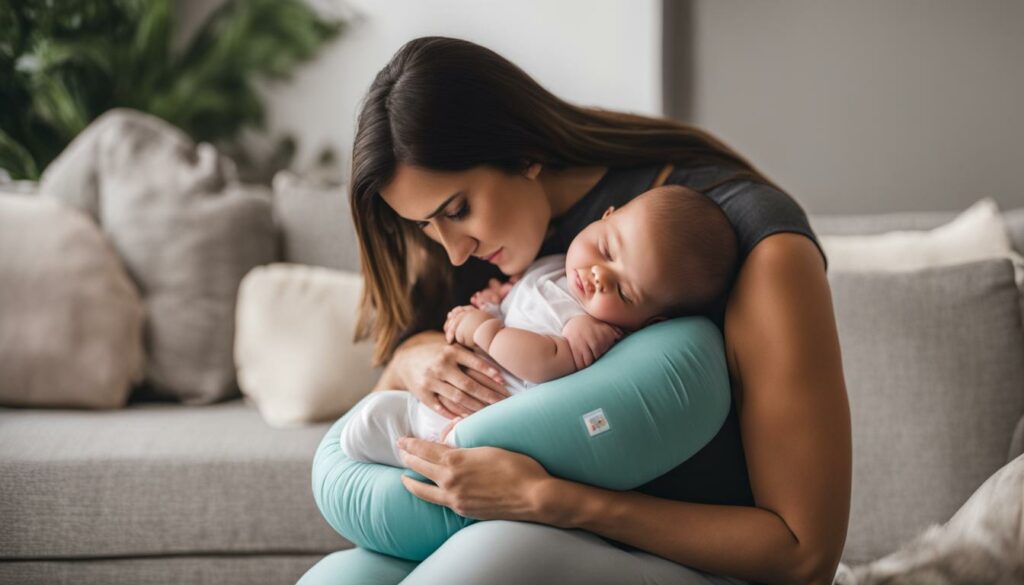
point(357, 566)
point(501, 552)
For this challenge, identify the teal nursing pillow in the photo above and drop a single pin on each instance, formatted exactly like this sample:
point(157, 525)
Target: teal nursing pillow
point(646, 406)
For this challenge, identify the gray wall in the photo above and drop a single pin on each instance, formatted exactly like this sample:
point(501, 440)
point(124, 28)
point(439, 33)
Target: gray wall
point(859, 106)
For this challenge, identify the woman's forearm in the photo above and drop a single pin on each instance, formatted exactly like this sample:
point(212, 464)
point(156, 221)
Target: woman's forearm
point(737, 541)
point(391, 378)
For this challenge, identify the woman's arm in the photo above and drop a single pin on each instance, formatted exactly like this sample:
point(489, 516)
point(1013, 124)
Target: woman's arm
point(783, 351)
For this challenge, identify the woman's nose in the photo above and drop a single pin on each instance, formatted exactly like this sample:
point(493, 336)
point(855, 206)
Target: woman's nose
point(459, 246)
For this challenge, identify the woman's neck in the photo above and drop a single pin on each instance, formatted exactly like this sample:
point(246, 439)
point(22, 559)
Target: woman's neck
point(567, 186)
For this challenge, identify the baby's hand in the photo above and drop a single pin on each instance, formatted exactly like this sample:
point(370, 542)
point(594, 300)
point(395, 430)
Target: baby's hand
point(589, 339)
point(495, 292)
point(462, 323)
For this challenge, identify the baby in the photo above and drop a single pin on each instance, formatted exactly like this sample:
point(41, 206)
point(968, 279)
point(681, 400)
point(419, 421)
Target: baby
point(668, 252)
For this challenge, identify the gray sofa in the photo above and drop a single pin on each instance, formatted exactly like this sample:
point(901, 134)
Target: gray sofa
point(159, 492)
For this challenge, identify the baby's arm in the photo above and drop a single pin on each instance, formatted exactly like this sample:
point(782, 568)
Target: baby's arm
point(534, 357)
point(531, 356)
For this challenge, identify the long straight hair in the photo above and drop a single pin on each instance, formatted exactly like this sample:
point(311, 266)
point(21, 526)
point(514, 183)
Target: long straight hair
point(450, 105)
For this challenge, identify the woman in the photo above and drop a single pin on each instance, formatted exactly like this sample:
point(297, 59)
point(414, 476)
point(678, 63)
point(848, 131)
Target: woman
point(464, 169)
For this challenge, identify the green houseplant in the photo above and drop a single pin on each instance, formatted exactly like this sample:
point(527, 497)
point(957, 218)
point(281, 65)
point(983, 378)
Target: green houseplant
point(65, 62)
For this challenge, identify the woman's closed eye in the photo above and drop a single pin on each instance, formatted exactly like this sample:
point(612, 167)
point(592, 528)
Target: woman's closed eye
point(460, 213)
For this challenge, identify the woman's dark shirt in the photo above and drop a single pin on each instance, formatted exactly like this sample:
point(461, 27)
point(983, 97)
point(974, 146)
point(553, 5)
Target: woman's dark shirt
point(717, 474)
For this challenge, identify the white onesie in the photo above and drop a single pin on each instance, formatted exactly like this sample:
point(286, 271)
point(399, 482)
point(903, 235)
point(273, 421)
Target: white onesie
point(540, 302)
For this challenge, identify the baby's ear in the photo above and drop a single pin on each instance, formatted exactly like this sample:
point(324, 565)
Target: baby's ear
point(608, 212)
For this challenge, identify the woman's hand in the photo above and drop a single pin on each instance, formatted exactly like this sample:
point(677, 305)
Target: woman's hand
point(450, 379)
point(485, 483)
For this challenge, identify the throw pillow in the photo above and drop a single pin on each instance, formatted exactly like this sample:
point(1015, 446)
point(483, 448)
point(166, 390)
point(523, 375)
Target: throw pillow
point(294, 351)
point(933, 406)
point(315, 222)
point(977, 233)
point(186, 231)
point(70, 318)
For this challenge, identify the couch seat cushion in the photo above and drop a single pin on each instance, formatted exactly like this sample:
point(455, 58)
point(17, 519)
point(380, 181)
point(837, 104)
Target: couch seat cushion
point(156, 479)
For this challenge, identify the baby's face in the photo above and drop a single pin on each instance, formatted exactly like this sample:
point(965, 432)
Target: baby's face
point(613, 267)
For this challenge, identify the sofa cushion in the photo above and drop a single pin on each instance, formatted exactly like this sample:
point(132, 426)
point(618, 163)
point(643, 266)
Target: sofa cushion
point(936, 385)
point(70, 317)
point(156, 479)
point(185, 229)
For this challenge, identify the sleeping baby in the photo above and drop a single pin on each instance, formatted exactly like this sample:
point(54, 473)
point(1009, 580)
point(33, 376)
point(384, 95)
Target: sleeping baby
point(668, 252)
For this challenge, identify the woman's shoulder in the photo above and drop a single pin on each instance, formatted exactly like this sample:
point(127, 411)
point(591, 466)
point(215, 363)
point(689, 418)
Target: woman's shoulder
point(755, 209)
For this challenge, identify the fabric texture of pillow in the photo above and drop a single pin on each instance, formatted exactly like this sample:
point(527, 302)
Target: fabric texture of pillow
point(315, 222)
point(935, 403)
point(656, 398)
point(70, 318)
point(976, 234)
point(293, 343)
point(186, 232)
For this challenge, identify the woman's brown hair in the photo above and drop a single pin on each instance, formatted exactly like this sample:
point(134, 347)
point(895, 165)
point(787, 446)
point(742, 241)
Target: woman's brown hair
point(449, 105)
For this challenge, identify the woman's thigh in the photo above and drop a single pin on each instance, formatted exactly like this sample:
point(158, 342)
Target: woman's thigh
point(501, 552)
point(357, 566)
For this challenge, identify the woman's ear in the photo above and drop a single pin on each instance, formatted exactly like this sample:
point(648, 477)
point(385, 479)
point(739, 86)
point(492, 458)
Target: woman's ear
point(533, 170)
point(608, 212)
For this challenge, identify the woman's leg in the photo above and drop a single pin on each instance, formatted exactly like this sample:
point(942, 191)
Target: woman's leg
point(357, 566)
point(500, 552)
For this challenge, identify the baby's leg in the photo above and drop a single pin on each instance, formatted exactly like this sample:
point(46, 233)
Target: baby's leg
point(371, 433)
point(382, 419)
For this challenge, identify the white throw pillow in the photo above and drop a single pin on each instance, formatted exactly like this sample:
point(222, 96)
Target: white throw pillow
point(976, 234)
point(294, 353)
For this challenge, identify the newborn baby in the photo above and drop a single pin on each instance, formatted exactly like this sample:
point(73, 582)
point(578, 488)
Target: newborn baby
point(668, 252)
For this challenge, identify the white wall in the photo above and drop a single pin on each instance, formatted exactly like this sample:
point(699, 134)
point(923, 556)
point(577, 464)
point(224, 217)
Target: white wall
point(868, 105)
point(600, 52)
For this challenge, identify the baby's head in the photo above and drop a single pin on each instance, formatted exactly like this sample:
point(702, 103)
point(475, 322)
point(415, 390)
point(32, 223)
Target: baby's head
point(668, 252)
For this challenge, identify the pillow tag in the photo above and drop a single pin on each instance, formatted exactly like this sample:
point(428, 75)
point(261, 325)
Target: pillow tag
point(596, 422)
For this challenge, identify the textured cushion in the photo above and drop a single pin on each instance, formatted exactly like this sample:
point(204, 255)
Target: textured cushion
point(70, 318)
point(293, 345)
point(186, 232)
point(977, 233)
point(242, 569)
point(315, 222)
point(936, 385)
point(156, 479)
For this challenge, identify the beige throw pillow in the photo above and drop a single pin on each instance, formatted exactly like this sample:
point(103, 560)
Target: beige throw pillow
point(293, 343)
point(70, 318)
point(185, 229)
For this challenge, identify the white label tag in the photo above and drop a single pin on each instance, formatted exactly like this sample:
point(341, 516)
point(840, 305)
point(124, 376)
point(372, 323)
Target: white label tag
point(596, 422)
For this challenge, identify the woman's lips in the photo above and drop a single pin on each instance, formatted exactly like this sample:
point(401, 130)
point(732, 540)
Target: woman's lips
point(493, 256)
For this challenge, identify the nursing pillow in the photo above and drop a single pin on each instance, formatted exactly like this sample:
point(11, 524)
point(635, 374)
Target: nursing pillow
point(650, 403)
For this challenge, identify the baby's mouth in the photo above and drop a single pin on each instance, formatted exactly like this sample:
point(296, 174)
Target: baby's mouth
point(580, 285)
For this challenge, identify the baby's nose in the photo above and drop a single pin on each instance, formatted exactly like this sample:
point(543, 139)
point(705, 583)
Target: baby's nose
point(595, 271)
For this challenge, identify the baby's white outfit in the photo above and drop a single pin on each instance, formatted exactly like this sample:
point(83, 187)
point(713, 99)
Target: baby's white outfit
point(540, 302)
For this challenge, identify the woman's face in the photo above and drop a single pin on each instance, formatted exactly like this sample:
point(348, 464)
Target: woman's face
point(484, 212)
